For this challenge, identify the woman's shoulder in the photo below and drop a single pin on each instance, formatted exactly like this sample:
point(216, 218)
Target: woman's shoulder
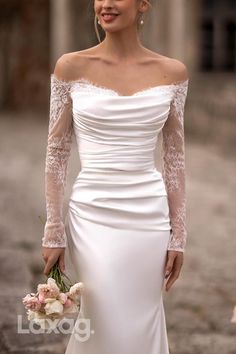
point(71, 64)
point(178, 70)
point(174, 69)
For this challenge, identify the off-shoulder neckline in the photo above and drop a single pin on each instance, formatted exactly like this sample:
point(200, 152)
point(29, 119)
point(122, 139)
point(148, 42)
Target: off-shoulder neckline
point(83, 80)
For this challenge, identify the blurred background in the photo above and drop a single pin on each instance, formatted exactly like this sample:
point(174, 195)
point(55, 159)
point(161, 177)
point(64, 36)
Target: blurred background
point(202, 34)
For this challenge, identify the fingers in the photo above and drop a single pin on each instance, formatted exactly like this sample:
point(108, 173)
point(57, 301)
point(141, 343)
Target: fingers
point(173, 277)
point(62, 262)
point(169, 264)
point(51, 256)
point(173, 267)
point(50, 263)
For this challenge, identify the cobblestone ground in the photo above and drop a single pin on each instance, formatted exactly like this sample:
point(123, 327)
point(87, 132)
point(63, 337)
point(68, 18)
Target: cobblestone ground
point(198, 306)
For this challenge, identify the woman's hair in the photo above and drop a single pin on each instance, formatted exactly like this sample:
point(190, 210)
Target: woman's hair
point(96, 24)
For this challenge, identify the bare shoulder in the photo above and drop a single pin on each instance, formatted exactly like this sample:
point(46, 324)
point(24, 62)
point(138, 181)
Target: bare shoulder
point(173, 70)
point(176, 70)
point(69, 66)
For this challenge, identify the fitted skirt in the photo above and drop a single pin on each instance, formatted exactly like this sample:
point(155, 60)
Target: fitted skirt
point(118, 230)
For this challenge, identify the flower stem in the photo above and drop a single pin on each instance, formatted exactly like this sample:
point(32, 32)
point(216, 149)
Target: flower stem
point(57, 275)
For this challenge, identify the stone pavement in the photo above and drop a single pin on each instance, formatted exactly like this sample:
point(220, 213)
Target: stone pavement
point(198, 306)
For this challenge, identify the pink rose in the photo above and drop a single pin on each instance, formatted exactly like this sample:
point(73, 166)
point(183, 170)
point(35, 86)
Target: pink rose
point(72, 308)
point(31, 303)
point(68, 303)
point(42, 298)
point(26, 299)
point(49, 290)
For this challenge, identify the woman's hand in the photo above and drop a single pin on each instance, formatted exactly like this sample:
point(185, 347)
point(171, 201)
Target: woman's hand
point(50, 256)
point(173, 266)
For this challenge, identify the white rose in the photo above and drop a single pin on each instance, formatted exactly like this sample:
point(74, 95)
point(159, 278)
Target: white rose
point(50, 299)
point(51, 281)
point(54, 307)
point(76, 289)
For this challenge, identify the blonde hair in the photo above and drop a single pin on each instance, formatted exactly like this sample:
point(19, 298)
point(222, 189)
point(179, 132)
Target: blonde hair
point(96, 23)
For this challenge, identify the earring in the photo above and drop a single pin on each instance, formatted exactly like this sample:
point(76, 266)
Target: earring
point(141, 21)
point(98, 21)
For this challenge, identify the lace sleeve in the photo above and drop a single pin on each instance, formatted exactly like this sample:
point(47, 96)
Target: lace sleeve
point(173, 167)
point(57, 154)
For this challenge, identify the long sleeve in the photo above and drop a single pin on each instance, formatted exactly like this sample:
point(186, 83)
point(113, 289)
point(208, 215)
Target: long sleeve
point(57, 155)
point(173, 167)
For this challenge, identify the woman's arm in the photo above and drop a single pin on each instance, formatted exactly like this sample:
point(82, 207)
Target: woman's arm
point(173, 168)
point(57, 156)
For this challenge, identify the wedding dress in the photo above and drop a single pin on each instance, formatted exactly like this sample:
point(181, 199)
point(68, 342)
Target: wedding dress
point(123, 213)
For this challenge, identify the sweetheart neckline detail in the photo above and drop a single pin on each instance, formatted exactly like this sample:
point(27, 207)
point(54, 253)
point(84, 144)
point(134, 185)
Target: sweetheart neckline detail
point(82, 80)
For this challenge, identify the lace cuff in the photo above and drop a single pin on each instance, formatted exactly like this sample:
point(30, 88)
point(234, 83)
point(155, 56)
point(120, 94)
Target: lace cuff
point(57, 156)
point(173, 168)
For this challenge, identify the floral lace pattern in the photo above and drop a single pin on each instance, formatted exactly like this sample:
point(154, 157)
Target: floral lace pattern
point(59, 147)
point(173, 168)
point(57, 156)
point(58, 152)
point(179, 233)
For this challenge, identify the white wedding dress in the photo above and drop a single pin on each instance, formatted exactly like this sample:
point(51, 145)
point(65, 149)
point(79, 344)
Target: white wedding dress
point(123, 213)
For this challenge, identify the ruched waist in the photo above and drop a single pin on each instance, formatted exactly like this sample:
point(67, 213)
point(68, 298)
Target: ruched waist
point(108, 182)
point(103, 164)
point(95, 171)
point(121, 199)
point(117, 155)
point(115, 162)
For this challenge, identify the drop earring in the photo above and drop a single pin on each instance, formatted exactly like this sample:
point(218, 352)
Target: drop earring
point(141, 21)
point(98, 21)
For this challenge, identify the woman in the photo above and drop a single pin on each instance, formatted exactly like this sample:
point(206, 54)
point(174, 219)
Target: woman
point(125, 228)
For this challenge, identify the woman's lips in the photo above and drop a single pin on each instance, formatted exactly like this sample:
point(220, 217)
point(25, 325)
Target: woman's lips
point(109, 17)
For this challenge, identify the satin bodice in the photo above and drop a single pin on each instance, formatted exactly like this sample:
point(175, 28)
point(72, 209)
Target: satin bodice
point(116, 138)
point(118, 132)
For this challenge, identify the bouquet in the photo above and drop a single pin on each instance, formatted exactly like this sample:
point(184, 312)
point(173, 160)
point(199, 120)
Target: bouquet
point(54, 300)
